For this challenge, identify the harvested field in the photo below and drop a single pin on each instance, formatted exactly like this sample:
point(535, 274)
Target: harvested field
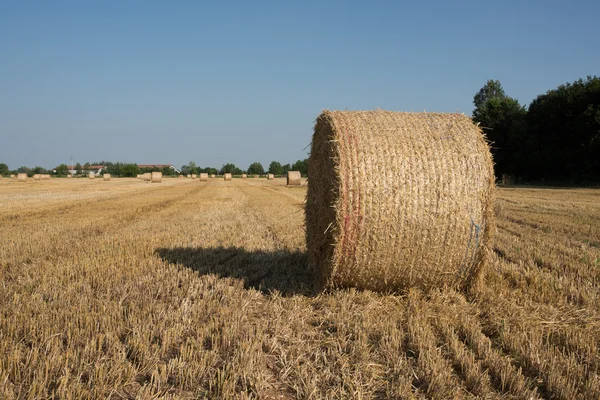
point(201, 291)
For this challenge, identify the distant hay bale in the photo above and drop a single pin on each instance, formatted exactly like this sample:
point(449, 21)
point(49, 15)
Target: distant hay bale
point(270, 177)
point(203, 177)
point(294, 178)
point(212, 175)
point(37, 177)
point(22, 177)
point(227, 177)
point(46, 177)
point(193, 176)
point(91, 175)
point(398, 200)
point(12, 176)
point(244, 176)
point(106, 177)
point(189, 176)
point(147, 177)
point(255, 176)
point(156, 177)
point(69, 176)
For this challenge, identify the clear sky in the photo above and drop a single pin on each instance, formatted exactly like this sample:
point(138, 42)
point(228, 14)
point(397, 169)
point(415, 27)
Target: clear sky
point(217, 82)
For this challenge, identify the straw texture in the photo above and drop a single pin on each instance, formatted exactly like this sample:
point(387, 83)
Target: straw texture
point(106, 177)
point(227, 177)
point(22, 177)
point(156, 177)
point(244, 176)
point(37, 177)
point(294, 178)
point(147, 176)
point(12, 176)
point(398, 200)
point(212, 175)
point(193, 176)
point(91, 175)
point(203, 177)
point(270, 177)
point(69, 176)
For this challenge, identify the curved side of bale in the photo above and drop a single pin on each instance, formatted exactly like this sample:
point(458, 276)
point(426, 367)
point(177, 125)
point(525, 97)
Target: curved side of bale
point(91, 175)
point(294, 178)
point(156, 177)
point(22, 177)
point(36, 177)
point(69, 176)
point(203, 177)
point(227, 177)
point(244, 176)
point(398, 200)
point(106, 177)
point(194, 176)
point(212, 175)
point(270, 177)
point(180, 176)
point(12, 176)
point(147, 176)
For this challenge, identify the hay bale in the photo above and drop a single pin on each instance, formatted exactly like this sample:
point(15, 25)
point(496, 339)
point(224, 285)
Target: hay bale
point(203, 177)
point(244, 176)
point(188, 176)
point(12, 176)
point(106, 177)
point(180, 176)
point(193, 176)
point(45, 177)
point(270, 177)
point(294, 178)
point(212, 175)
point(69, 176)
point(22, 177)
point(37, 177)
point(398, 200)
point(147, 177)
point(91, 175)
point(227, 177)
point(156, 177)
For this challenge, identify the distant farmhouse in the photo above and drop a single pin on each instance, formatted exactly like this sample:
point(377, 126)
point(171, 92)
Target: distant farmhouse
point(97, 169)
point(159, 166)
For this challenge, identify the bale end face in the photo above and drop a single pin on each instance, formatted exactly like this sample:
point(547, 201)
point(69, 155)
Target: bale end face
point(22, 177)
point(244, 176)
point(426, 222)
point(294, 178)
point(270, 177)
point(106, 177)
point(156, 177)
point(203, 177)
point(227, 177)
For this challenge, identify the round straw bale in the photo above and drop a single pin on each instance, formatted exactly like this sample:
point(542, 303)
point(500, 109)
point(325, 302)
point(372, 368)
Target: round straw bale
point(69, 176)
point(45, 177)
point(203, 177)
point(294, 178)
point(37, 177)
point(147, 176)
point(270, 177)
point(188, 176)
point(91, 175)
point(244, 176)
point(193, 176)
point(227, 177)
point(106, 177)
point(398, 200)
point(12, 176)
point(22, 177)
point(180, 176)
point(212, 175)
point(156, 177)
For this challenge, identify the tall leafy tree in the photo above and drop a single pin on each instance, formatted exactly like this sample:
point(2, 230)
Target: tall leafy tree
point(275, 168)
point(4, 169)
point(256, 168)
point(62, 170)
point(502, 119)
point(302, 166)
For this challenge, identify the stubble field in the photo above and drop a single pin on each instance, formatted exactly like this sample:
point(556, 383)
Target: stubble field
point(183, 289)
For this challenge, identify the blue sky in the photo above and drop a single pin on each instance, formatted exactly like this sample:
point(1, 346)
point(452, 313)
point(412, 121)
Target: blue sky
point(217, 82)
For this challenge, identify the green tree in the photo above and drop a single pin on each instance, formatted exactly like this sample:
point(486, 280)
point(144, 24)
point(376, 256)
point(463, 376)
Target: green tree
point(502, 119)
point(301, 166)
point(285, 168)
point(86, 166)
point(62, 170)
point(275, 168)
point(130, 170)
point(39, 170)
point(78, 168)
point(4, 169)
point(231, 169)
point(256, 168)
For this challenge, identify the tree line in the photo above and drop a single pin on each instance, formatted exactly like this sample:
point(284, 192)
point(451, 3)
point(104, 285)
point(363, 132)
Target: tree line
point(255, 168)
point(556, 140)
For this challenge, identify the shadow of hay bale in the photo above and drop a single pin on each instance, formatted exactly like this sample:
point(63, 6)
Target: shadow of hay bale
point(284, 271)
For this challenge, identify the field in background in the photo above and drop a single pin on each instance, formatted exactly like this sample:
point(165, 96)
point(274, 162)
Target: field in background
point(184, 289)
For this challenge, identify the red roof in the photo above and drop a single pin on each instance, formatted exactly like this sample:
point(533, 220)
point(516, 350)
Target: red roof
point(154, 165)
